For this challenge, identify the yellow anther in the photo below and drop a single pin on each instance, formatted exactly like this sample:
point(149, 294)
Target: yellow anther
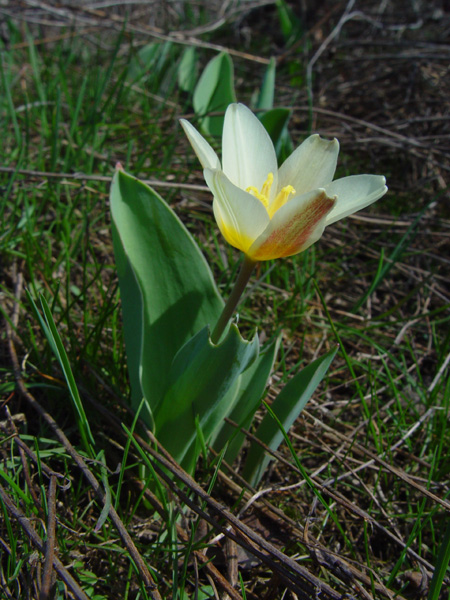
point(263, 195)
point(281, 199)
point(284, 194)
point(265, 190)
point(254, 192)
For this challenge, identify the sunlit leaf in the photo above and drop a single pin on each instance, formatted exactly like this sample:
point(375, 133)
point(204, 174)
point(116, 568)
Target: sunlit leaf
point(167, 290)
point(214, 92)
point(187, 69)
point(267, 92)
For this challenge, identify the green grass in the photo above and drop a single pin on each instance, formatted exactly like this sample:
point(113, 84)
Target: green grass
point(368, 460)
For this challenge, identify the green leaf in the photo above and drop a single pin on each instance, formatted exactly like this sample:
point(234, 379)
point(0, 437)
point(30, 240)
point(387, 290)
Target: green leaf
point(151, 59)
point(441, 567)
point(267, 92)
point(291, 26)
point(287, 406)
point(51, 332)
point(187, 70)
point(214, 92)
point(251, 389)
point(201, 377)
point(284, 146)
point(133, 322)
point(202, 593)
point(167, 290)
point(275, 121)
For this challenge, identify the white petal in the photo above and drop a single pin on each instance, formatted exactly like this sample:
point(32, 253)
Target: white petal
point(202, 149)
point(248, 155)
point(241, 217)
point(294, 227)
point(310, 166)
point(354, 193)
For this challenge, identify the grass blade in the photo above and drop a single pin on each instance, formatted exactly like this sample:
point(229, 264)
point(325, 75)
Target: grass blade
point(441, 566)
point(57, 346)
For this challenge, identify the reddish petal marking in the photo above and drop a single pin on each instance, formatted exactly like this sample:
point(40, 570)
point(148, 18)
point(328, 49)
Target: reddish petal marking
point(293, 237)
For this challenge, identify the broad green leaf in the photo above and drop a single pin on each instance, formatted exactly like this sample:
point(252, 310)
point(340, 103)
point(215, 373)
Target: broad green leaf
point(187, 70)
point(151, 59)
point(267, 92)
point(200, 378)
point(167, 290)
point(287, 406)
point(284, 146)
point(248, 399)
point(141, 63)
point(133, 322)
point(214, 92)
point(275, 121)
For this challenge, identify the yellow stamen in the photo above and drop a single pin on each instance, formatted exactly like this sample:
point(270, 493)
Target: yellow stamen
point(265, 190)
point(263, 195)
point(281, 199)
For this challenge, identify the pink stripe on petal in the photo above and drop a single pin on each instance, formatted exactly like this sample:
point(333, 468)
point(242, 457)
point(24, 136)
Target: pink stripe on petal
point(288, 237)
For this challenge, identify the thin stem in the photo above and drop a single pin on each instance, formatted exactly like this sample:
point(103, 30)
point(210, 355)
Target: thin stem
point(233, 300)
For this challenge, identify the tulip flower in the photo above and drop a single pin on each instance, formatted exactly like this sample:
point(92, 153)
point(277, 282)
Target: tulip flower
point(268, 212)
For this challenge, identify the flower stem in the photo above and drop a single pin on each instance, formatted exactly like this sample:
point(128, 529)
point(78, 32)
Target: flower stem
point(244, 275)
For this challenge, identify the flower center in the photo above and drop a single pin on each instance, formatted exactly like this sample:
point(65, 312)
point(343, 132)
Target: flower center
point(263, 195)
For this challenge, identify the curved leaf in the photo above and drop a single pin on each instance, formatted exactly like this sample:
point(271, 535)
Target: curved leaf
point(214, 92)
point(248, 399)
point(267, 92)
point(275, 121)
point(187, 69)
point(201, 378)
point(167, 289)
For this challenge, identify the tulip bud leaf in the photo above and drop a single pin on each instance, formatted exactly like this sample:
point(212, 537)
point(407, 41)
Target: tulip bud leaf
point(203, 382)
point(267, 91)
point(167, 290)
point(214, 92)
point(251, 390)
